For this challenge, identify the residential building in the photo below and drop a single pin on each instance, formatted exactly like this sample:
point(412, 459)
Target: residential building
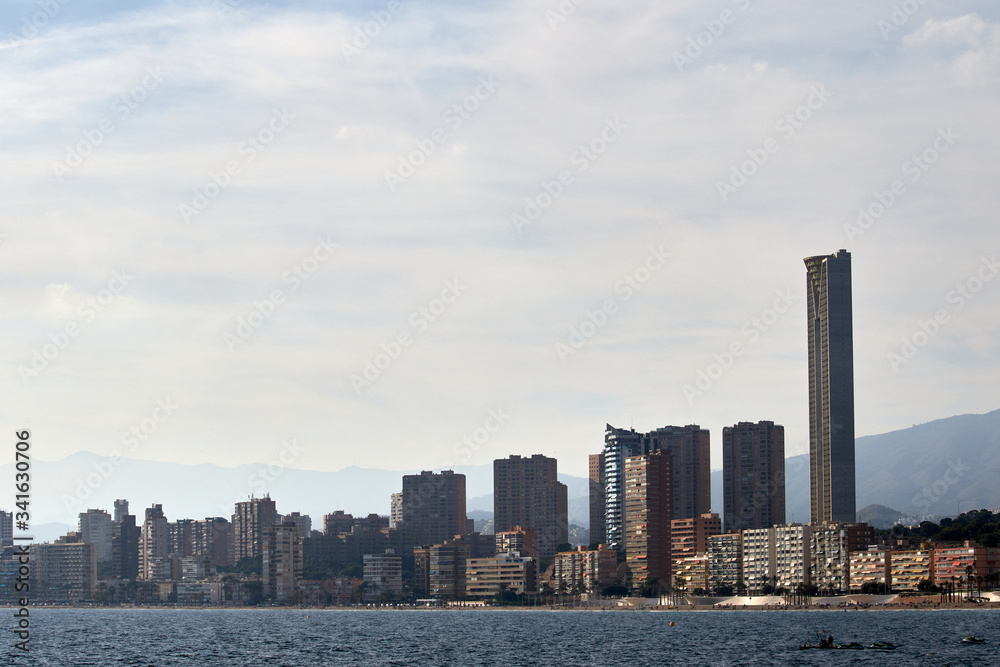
point(252, 518)
point(597, 484)
point(487, 578)
point(212, 538)
point(522, 540)
point(725, 560)
point(396, 509)
point(831, 388)
point(689, 537)
point(909, 568)
point(282, 562)
point(121, 509)
point(871, 566)
point(6, 528)
point(95, 528)
point(527, 492)
point(759, 558)
point(125, 548)
point(792, 556)
point(302, 522)
point(155, 540)
point(648, 492)
point(689, 447)
point(753, 475)
point(830, 548)
point(952, 564)
point(692, 572)
point(446, 565)
point(63, 572)
point(383, 575)
point(181, 536)
point(433, 508)
point(585, 570)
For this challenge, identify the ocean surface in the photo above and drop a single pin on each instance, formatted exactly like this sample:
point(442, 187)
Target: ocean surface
point(154, 637)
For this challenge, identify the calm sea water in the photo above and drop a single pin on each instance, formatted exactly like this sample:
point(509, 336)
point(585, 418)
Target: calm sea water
point(77, 637)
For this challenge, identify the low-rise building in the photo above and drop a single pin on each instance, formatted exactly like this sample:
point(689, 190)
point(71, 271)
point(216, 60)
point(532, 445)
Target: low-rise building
point(871, 566)
point(585, 570)
point(908, 568)
point(488, 577)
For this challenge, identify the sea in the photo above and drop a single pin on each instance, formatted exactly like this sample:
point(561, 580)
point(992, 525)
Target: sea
point(287, 637)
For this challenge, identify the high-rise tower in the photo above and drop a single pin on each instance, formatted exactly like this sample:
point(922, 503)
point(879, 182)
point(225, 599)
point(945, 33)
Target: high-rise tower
point(831, 388)
point(753, 475)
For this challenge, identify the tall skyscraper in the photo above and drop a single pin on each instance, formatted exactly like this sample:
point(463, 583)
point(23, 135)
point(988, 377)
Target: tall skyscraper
point(125, 548)
point(121, 509)
point(648, 511)
point(281, 550)
point(95, 528)
point(155, 541)
point(526, 492)
point(831, 388)
point(433, 508)
point(251, 519)
point(597, 484)
point(689, 447)
point(753, 475)
point(6, 528)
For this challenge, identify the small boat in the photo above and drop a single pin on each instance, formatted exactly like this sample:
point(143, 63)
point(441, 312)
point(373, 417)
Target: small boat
point(883, 646)
point(851, 646)
point(972, 639)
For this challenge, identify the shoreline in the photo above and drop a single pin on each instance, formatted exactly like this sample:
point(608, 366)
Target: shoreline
point(617, 608)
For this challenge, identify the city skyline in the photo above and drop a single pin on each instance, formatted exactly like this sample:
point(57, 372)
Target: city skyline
point(462, 239)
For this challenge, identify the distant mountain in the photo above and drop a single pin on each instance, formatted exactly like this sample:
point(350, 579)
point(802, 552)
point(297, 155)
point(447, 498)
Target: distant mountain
point(941, 468)
point(879, 516)
point(62, 489)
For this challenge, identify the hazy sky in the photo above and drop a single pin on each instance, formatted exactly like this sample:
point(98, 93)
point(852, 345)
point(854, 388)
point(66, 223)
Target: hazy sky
point(544, 217)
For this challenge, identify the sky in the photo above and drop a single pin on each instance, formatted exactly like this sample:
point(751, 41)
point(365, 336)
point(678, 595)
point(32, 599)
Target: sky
point(419, 235)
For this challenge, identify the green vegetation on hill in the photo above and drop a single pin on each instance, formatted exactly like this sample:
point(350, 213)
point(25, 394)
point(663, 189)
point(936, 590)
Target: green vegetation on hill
point(983, 526)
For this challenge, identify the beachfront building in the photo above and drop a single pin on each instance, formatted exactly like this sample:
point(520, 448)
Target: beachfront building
point(759, 558)
point(725, 560)
point(487, 578)
point(383, 575)
point(831, 546)
point(953, 566)
point(689, 537)
point(585, 570)
point(792, 549)
point(871, 566)
point(520, 539)
point(693, 572)
point(908, 568)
